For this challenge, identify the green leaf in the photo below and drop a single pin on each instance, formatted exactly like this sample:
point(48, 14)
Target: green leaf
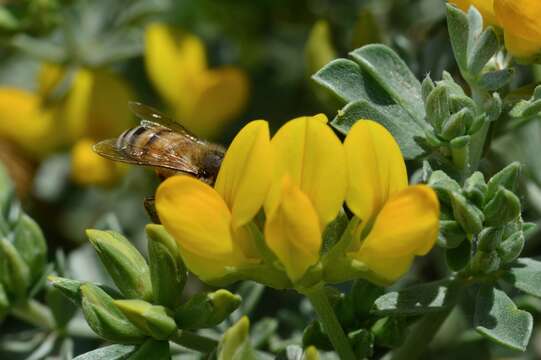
point(392, 73)
point(112, 352)
point(525, 275)
point(457, 21)
point(482, 51)
point(495, 80)
point(417, 300)
point(391, 116)
point(498, 319)
point(31, 245)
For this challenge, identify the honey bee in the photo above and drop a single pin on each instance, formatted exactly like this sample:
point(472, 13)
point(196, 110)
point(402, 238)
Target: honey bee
point(165, 145)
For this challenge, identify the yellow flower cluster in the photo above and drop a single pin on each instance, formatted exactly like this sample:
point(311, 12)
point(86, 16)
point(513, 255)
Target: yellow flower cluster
point(273, 199)
point(202, 99)
point(519, 19)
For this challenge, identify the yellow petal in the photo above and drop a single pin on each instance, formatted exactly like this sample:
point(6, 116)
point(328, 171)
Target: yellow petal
point(521, 48)
point(245, 173)
point(522, 18)
point(88, 168)
point(109, 114)
point(76, 107)
point(172, 58)
point(199, 220)
point(25, 123)
point(308, 151)
point(293, 232)
point(485, 7)
point(376, 168)
point(407, 225)
point(386, 269)
point(219, 96)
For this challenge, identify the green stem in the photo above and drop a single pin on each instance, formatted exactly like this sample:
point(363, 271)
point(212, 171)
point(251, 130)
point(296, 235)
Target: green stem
point(330, 323)
point(194, 341)
point(34, 313)
point(420, 336)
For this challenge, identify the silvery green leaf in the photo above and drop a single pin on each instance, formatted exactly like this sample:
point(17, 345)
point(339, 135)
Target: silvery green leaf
point(112, 352)
point(484, 48)
point(525, 275)
point(495, 80)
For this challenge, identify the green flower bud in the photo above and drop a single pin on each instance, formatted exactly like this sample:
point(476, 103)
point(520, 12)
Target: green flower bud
point(235, 343)
point(461, 101)
point(105, 318)
point(432, 140)
point(206, 309)
point(443, 185)
point(460, 151)
point(507, 178)
point(511, 247)
point(153, 320)
point(31, 245)
point(167, 270)
point(489, 238)
point(475, 188)
point(503, 208)
point(456, 125)
point(451, 234)
point(389, 331)
point(14, 272)
point(466, 214)
point(68, 287)
point(437, 107)
point(427, 87)
point(485, 262)
point(477, 123)
point(124, 263)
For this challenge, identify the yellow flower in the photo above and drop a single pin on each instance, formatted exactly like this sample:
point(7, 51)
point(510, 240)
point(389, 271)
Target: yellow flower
point(485, 7)
point(398, 221)
point(203, 99)
point(319, 49)
point(88, 168)
point(211, 225)
point(521, 21)
point(309, 185)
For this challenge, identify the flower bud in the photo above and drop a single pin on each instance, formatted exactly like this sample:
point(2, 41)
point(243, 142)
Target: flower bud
point(511, 247)
point(455, 126)
point(489, 239)
point(503, 208)
point(475, 188)
point(31, 245)
point(460, 151)
point(427, 87)
point(389, 331)
point(167, 270)
point(235, 343)
point(485, 262)
point(104, 317)
point(153, 320)
point(507, 177)
point(443, 185)
point(451, 234)
point(124, 263)
point(14, 272)
point(207, 309)
point(466, 214)
point(311, 354)
point(437, 107)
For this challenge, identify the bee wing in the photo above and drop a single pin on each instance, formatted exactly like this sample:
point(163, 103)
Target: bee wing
point(144, 156)
point(149, 114)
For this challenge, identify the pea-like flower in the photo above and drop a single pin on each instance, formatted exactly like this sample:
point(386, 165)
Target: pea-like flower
point(519, 19)
point(204, 99)
point(396, 222)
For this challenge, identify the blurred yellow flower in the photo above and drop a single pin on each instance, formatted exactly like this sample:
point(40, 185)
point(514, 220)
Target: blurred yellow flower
point(210, 224)
point(203, 99)
point(519, 19)
point(485, 7)
point(88, 168)
point(309, 185)
point(70, 104)
point(398, 221)
point(319, 49)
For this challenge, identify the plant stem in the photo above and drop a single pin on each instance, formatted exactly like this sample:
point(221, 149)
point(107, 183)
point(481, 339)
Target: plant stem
point(330, 323)
point(194, 341)
point(35, 313)
point(420, 336)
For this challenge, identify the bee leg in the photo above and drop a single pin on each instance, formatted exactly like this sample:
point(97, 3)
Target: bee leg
point(150, 207)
